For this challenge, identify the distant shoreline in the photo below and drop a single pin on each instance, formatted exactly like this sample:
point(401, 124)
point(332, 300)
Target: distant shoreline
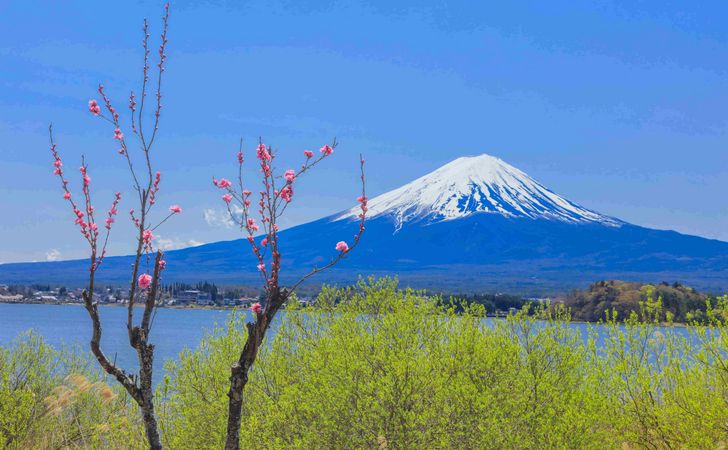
point(136, 305)
point(236, 308)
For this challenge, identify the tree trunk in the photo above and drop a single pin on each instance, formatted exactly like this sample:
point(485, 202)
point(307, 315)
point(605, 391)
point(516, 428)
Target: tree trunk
point(239, 370)
point(146, 357)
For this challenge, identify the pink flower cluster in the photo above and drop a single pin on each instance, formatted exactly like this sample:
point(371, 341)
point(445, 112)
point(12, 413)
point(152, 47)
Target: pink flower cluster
point(113, 211)
point(155, 188)
point(144, 280)
point(327, 150)
point(222, 184)
point(363, 200)
point(263, 153)
point(290, 175)
point(57, 164)
point(342, 246)
point(94, 107)
point(256, 308)
point(286, 193)
point(175, 209)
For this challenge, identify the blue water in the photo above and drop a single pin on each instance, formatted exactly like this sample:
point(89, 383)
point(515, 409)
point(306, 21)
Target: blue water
point(172, 330)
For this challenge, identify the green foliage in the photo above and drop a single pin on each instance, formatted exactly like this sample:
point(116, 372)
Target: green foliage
point(53, 399)
point(379, 367)
point(375, 366)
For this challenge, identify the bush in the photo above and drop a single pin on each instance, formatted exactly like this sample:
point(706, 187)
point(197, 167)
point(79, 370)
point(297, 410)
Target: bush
point(52, 399)
point(380, 367)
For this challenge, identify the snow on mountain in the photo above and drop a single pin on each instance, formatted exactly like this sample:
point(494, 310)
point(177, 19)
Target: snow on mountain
point(476, 184)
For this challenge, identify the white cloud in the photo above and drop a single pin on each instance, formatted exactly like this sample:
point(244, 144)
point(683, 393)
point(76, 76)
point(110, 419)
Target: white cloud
point(175, 244)
point(53, 255)
point(221, 218)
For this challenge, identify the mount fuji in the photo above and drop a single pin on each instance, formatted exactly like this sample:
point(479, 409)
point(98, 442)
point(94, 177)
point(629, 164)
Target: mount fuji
point(475, 224)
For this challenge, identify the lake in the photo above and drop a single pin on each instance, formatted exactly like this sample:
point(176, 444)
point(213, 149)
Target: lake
point(172, 330)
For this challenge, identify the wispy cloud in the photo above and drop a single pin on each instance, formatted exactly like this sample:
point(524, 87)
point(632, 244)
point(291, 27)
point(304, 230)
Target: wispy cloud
point(53, 255)
point(221, 218)
point(174, 244)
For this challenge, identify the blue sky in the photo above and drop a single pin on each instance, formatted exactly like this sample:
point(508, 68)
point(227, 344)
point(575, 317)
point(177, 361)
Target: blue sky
point(619, 106)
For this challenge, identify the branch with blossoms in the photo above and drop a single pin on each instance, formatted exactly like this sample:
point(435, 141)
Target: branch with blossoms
point(144, 287)
point(272, 203)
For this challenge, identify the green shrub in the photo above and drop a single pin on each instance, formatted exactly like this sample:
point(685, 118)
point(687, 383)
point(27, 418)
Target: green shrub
point(53, 399)
point(375, 367)
point(378, 367)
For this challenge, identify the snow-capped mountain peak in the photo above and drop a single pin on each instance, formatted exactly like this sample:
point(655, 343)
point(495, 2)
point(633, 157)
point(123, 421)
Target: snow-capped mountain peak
point(473, 185)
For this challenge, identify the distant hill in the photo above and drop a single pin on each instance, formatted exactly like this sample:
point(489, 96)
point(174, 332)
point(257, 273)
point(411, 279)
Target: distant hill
point(683, 303)
point(477, 224)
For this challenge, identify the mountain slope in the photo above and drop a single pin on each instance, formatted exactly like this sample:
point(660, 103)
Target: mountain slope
point(474, 224)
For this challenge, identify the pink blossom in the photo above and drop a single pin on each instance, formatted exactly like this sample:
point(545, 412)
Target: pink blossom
point(118, 135)
point(228, 198)
point(256, 308)
point(93, 107)
point(223, 183)
point(263, 153)
point(261, 267)
point(286, 193)
point(327, 150)
point(240, 157)
point(264, 242)
point(162, 264)
point(342, 246)
point(67, 195)
point(144, 280)
point(246, 193)
point(175, 209)
point(290, 175)
point(147, 236)
point(57, 163)
point(308, 153)
point(57, 171)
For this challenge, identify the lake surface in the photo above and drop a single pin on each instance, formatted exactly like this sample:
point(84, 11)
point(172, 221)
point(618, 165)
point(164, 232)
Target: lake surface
point(172, 330)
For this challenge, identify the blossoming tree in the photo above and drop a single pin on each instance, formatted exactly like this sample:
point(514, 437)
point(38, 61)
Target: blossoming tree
point(276, 194)
point(147, 269)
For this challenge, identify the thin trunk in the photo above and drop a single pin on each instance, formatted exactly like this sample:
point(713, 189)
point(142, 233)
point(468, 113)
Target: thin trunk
point(147, 404)
point(239, 370)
